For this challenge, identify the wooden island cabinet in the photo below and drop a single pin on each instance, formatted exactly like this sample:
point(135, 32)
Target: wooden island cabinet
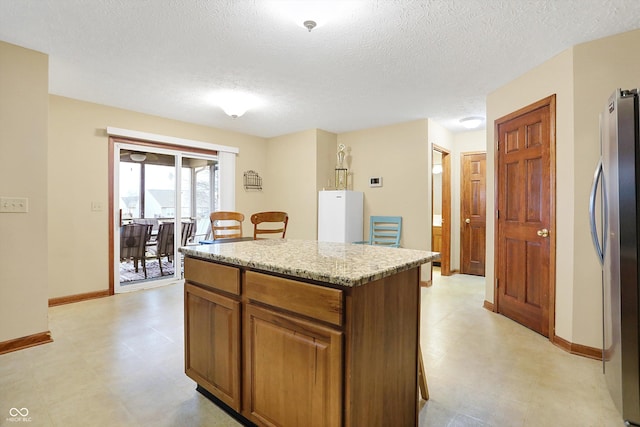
point(301, 333)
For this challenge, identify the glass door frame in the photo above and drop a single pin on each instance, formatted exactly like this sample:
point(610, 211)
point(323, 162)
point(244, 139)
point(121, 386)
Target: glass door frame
point(178, 155)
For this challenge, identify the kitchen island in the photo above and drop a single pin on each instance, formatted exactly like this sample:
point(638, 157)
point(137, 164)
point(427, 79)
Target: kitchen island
point(305, 333)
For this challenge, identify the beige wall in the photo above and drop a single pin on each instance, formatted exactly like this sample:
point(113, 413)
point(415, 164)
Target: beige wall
point(24, 283)
point(554, 76)
point(600, 67)
point(583, 77)
point(400, 155)
point(290, 183)
point(463, 142)
point(78, 168)
point(326, 159)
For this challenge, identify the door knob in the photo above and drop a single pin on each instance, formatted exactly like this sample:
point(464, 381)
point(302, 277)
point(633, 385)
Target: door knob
point(543, 233)
point(467, 220)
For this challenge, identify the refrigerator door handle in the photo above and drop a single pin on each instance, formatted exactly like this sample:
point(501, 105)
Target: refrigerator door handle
point(597, 176)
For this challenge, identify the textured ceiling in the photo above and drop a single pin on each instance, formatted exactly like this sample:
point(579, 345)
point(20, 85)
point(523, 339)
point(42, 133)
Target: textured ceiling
point(372, 63)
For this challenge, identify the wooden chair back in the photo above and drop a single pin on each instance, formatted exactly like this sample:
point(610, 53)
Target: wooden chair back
point(385, 231)
point(226, 225)
point(273, 222)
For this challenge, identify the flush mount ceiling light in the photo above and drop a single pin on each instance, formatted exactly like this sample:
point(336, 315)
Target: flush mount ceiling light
point(437, 169)
point(309, 25)
point(138, 157)
point(234, 111)
point(234, 103)
point(471, 122)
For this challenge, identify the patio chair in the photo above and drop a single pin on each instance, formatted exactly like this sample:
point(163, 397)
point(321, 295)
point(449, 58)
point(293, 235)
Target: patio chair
point(188, 230)
point(163, 246)
point(133, 238)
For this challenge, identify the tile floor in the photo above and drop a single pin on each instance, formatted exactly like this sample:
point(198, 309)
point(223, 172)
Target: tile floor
point(118, 361)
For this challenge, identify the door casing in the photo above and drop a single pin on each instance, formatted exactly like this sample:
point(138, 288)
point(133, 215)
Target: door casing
point(445, 253)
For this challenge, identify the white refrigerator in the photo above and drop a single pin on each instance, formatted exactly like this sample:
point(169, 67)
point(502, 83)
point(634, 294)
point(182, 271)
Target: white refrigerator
point(340, 216)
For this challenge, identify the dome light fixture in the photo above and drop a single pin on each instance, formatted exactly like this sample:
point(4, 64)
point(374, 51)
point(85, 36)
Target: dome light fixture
point(138, 157)
point(235, 103)
point(234, 111)
point(471, 122)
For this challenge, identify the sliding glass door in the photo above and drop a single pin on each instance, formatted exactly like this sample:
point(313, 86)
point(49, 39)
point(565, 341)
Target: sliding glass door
point(162, 201)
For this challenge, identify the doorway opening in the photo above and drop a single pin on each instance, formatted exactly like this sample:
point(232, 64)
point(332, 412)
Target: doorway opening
point(441, 207)
point(161, 198)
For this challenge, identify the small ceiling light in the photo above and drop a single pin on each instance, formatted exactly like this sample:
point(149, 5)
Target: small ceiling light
point(437, 169)
point(309, 25)
point(233, 102)
point(234, 111)
point(471, 122)
point(138, 157)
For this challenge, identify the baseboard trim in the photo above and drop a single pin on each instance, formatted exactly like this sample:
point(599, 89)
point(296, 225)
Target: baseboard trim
point(425, 283)
point(488, 305)
point(578, 349)
point(25, 342)
point(78, 297)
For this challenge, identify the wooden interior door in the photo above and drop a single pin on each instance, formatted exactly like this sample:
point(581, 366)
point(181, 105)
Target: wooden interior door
point(473, 210)
point(525, 221)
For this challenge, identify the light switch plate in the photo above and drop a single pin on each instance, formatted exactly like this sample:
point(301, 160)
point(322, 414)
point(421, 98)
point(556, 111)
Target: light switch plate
point(97, 206)
point(14, 205)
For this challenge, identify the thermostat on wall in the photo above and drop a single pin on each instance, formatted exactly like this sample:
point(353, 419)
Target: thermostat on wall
point(375, 181)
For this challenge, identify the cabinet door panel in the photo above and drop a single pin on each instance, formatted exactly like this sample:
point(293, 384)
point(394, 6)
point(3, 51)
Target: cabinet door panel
point(212, 343)
point(293, 371)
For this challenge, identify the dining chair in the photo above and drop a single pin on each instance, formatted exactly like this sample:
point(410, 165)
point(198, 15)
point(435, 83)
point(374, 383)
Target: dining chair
point(133, 240)
point(163, 246)
point(226, 225)
point(273, 222)
point(384, 231)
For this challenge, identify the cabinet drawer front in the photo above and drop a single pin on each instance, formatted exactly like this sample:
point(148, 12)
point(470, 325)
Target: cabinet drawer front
point(213, 275)
point(315, 301)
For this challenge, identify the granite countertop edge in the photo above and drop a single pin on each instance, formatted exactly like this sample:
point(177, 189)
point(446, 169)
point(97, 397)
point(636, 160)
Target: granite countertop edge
point(243, 254)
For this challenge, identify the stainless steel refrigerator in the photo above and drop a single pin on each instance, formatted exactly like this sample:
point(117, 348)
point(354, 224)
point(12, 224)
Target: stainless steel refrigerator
point(616, 195)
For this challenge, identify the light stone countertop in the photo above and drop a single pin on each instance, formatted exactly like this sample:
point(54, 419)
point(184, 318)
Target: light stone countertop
point(343, 264)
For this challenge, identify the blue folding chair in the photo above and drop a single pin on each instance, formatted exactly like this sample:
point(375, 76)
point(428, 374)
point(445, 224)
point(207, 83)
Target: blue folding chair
point(384, 231)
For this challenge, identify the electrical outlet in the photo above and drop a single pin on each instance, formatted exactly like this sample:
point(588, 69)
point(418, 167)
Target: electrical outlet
point(14, 205)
